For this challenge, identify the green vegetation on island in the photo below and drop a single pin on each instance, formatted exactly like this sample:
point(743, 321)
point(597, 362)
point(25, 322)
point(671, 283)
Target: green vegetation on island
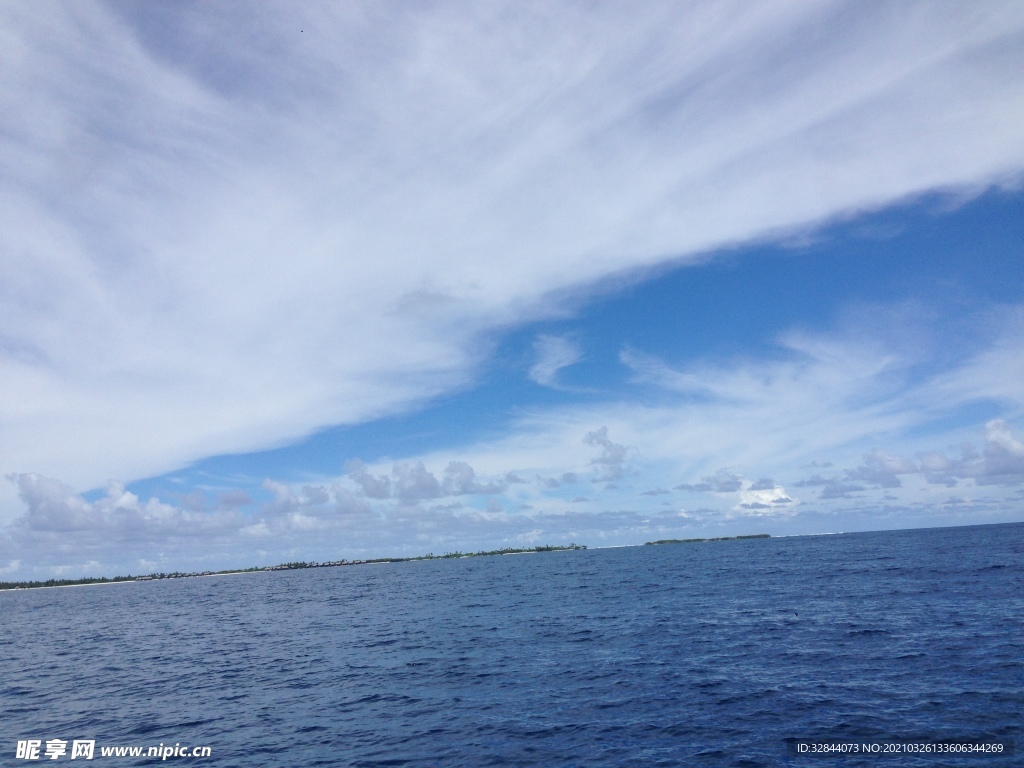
point(282, 567)
point(716, 538)
point(63, 582)
point(430, 556)
point(86, 580)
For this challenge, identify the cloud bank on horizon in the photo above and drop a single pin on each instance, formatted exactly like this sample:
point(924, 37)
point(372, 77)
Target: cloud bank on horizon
point(226, 231)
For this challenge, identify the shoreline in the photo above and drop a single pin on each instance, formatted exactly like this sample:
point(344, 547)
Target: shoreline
point(111, 582)
point(16, 586)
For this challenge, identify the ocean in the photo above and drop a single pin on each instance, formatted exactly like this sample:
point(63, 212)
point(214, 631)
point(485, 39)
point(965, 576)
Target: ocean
point(695, 654)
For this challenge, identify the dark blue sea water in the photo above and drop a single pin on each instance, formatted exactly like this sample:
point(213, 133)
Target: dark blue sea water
point(690, 654)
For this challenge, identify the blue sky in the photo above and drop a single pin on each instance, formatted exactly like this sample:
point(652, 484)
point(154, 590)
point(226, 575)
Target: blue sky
point(352, 281)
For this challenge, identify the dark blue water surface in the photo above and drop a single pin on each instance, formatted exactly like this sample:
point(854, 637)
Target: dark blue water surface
point(686, 654)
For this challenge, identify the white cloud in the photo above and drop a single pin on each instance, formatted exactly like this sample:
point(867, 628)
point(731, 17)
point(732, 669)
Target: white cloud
point(460, 480)
point(340, 519)
point(374, 487)
point(222, 231)
point(554, 353)
point(882, 469)
point(54, 508)
point(721, 481)
point(1000, 463)
point(845, 403)
point(1002, 445)
point(611, 464)
point(764, 503)
point(416, 483)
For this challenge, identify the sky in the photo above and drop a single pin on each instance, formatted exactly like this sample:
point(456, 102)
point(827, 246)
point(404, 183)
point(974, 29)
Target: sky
point(359, 280)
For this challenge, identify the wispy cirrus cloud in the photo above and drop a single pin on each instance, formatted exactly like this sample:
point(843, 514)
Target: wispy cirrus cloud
point(553, 354)
point(222, 232)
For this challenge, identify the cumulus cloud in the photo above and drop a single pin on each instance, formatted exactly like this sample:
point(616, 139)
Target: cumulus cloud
point(54, 508)
point(69, 535)
point(879, 469)
point(1003, 456)
point(200, 208)
point(430, 509)
point(764, 495)
point(611, 464)
point(939, 469)
point(1001, 461)
point(460, 479)
point(882, 469)
point(305, 507)
point(375, 487)
point(414, 482)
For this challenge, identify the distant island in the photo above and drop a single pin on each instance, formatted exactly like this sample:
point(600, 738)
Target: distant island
point(282, 567)
point(337, 563)
point(717, 538)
